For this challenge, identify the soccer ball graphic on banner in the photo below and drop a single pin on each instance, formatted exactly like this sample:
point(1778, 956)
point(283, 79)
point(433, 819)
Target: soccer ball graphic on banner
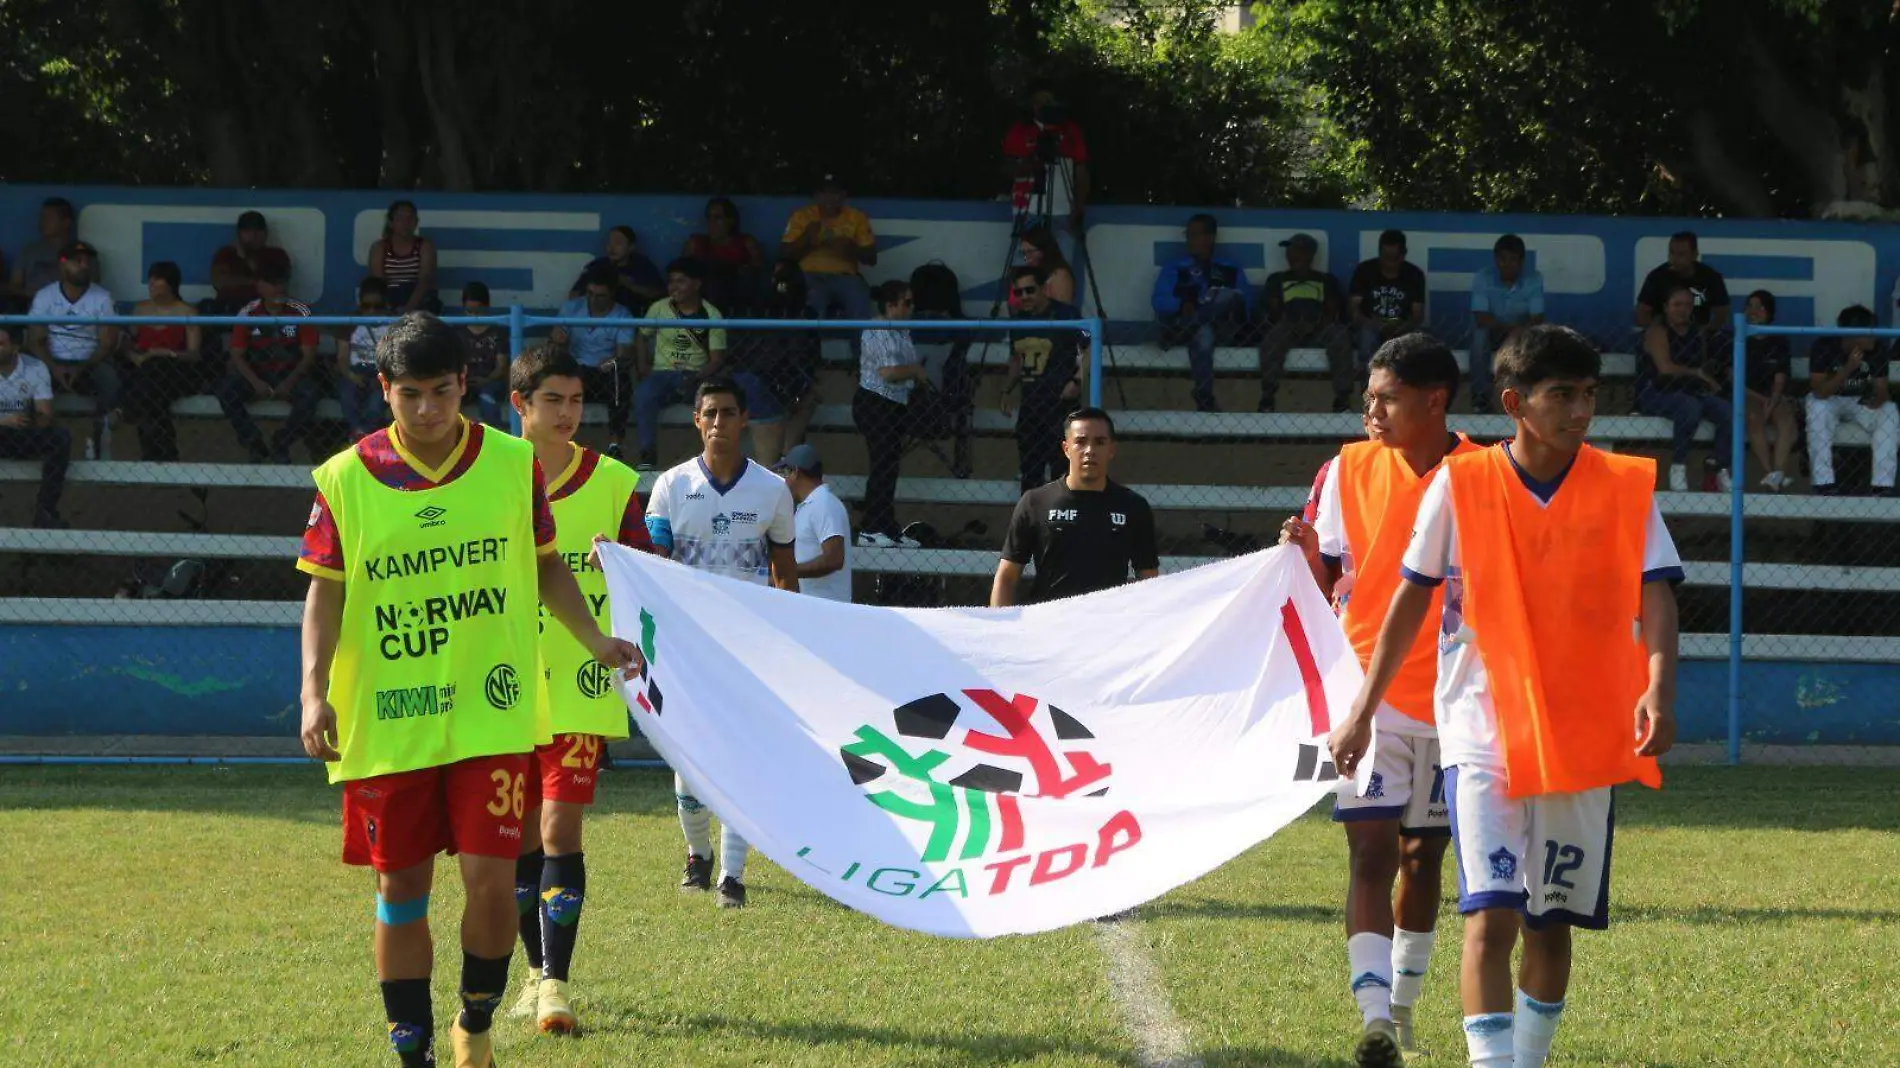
point(946, 767)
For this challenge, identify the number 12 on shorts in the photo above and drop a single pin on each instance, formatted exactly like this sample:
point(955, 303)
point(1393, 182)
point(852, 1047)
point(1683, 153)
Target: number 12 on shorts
point(1559, 861)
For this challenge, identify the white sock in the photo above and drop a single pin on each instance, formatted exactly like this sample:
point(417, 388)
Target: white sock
point(1411, 955)
point(1536, 1026)
point(1370, 956)
point(732, 853)
point(695, 820)
point(1488, 1038)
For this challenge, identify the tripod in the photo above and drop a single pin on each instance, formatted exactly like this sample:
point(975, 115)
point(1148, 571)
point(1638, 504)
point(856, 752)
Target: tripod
point(1035, 212)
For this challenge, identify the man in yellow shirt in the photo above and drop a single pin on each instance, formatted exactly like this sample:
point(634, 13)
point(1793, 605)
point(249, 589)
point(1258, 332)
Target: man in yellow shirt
point(427, 549)
point(832, 242)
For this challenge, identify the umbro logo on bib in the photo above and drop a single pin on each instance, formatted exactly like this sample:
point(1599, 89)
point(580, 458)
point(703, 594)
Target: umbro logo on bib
point(432, 516)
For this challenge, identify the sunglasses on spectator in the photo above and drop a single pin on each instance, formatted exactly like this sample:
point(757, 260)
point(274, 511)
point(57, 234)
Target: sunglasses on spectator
point(1025, 291)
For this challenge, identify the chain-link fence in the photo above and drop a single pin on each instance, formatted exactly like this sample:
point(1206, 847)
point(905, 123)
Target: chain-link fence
point(195, 484)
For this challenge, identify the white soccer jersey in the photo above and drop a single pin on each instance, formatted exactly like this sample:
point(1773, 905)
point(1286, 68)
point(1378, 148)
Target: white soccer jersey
point(728, 530)
point(1467, 723)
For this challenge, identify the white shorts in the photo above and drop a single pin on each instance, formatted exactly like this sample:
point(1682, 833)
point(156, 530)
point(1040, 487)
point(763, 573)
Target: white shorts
point(1407, 785)
point(1548, 856)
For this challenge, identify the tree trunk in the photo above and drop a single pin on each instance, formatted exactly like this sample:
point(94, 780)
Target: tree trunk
point(227, 163)
point(442, 88)
point(1735, 181)
point(1805, 126)
point(395, 89)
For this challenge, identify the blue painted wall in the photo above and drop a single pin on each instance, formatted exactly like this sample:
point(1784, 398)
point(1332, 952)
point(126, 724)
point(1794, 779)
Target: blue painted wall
point(242, 682)
point(529, 247)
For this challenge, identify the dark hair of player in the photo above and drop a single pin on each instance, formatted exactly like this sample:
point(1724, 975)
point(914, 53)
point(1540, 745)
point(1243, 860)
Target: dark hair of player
point(420, 346)
point(1419, 360)
point(1544, 353)
point(716, 385)
point(538, 364)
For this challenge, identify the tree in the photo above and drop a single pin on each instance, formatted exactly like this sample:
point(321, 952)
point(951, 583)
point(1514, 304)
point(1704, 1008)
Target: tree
point(1759, 107)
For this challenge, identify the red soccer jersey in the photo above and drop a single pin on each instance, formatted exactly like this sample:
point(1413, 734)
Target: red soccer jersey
point(1021, 140)
point(393, 466)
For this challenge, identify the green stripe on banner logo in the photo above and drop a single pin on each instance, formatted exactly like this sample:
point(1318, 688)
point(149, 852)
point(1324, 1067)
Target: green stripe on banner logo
point(978, 839)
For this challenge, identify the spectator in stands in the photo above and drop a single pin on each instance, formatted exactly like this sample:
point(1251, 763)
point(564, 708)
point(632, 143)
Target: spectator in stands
point(831, 242)
point(1038, 249)
point(673, 360)
point(636, 281)
point(785, 362)
point(1046, 160)
point(1677, 378)
point(1303, 306)
point(605, 352)
point(27, 429)
point(167, 364)
point(1047, 364)
point(405, 260)
point(889, 370)
point(272, 363)
point(735, 264)
point(1769, 367)
point(359, 390)
point(1386, 298)
point(1848, 384)
point(821, 526)
point(1685, 268)
point(80, 358)
point(1201, 298)
point(488, 358)
point(235, 267)
point(1505, 297)
point(38, 263)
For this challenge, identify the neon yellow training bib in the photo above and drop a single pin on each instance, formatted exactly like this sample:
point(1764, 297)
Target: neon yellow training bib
point(438, 661)
point(581, 694)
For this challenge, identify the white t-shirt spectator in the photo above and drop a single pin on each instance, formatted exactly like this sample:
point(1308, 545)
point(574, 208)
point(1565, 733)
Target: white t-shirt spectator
point(886, 348)
point(592, 346)
point(728, 530)
point(72, 344)
point(29, 382)
point(821, 516)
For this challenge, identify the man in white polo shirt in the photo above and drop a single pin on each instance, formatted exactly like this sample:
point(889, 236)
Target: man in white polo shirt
point(79, 357)
point(27, 429)
point(822, 526)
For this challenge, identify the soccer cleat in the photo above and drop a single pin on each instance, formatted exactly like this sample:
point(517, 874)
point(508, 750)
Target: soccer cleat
point(1402, 1019)
point(472, 1051)
point(698, 873)
point(731, 893)
point(1678, 478)
point(1379, 1046)
point(556, 1017)
point(529, 998)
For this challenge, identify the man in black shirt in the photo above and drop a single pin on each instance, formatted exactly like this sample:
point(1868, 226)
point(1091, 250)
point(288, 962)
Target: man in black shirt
point(1083, 532)
point(1386, 298)
point(1047, 364)
point(1685, 268)
point(1847, 377)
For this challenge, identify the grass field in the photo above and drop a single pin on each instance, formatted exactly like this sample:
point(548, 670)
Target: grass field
point(199, 916)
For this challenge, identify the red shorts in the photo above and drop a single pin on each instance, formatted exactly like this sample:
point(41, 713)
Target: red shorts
point(569, 769)
point(392, 822)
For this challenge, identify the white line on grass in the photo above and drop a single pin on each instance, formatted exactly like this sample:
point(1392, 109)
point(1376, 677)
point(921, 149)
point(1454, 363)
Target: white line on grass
point(1161, 1040)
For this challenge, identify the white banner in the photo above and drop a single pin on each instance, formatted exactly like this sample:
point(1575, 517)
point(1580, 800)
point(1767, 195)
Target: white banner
point(979, 772)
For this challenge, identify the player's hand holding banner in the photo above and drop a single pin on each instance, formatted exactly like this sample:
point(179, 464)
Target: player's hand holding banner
point(980, 772)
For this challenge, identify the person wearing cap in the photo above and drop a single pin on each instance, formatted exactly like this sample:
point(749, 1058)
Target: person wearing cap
point(235, 267)
point(832, 242)
point(821, 526)
point(1386, 297)
point(1197, 297)
point(80, 358)
point(38, 263)
point(1505, 298)
point(1303, 306)
point(271, 363)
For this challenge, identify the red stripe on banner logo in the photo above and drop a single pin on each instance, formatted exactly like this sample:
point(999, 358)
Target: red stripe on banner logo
point(1309, 668)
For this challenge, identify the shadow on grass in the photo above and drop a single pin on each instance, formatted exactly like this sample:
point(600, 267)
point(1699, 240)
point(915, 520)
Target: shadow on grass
point(1716, 916)
point(979, 1047)
point(1168, 909)
point(288, 792)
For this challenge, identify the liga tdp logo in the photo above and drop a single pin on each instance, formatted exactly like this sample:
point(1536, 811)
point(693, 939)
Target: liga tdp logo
point(966, 785)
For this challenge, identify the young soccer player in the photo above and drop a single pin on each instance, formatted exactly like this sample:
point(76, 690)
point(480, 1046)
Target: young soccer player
point(1556, 677)
point(1398, 830)
point(722, 513)
point(592, 496)
point(427, 549)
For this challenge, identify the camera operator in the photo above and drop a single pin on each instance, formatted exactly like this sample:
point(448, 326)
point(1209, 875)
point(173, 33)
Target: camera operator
point(1046, 160)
